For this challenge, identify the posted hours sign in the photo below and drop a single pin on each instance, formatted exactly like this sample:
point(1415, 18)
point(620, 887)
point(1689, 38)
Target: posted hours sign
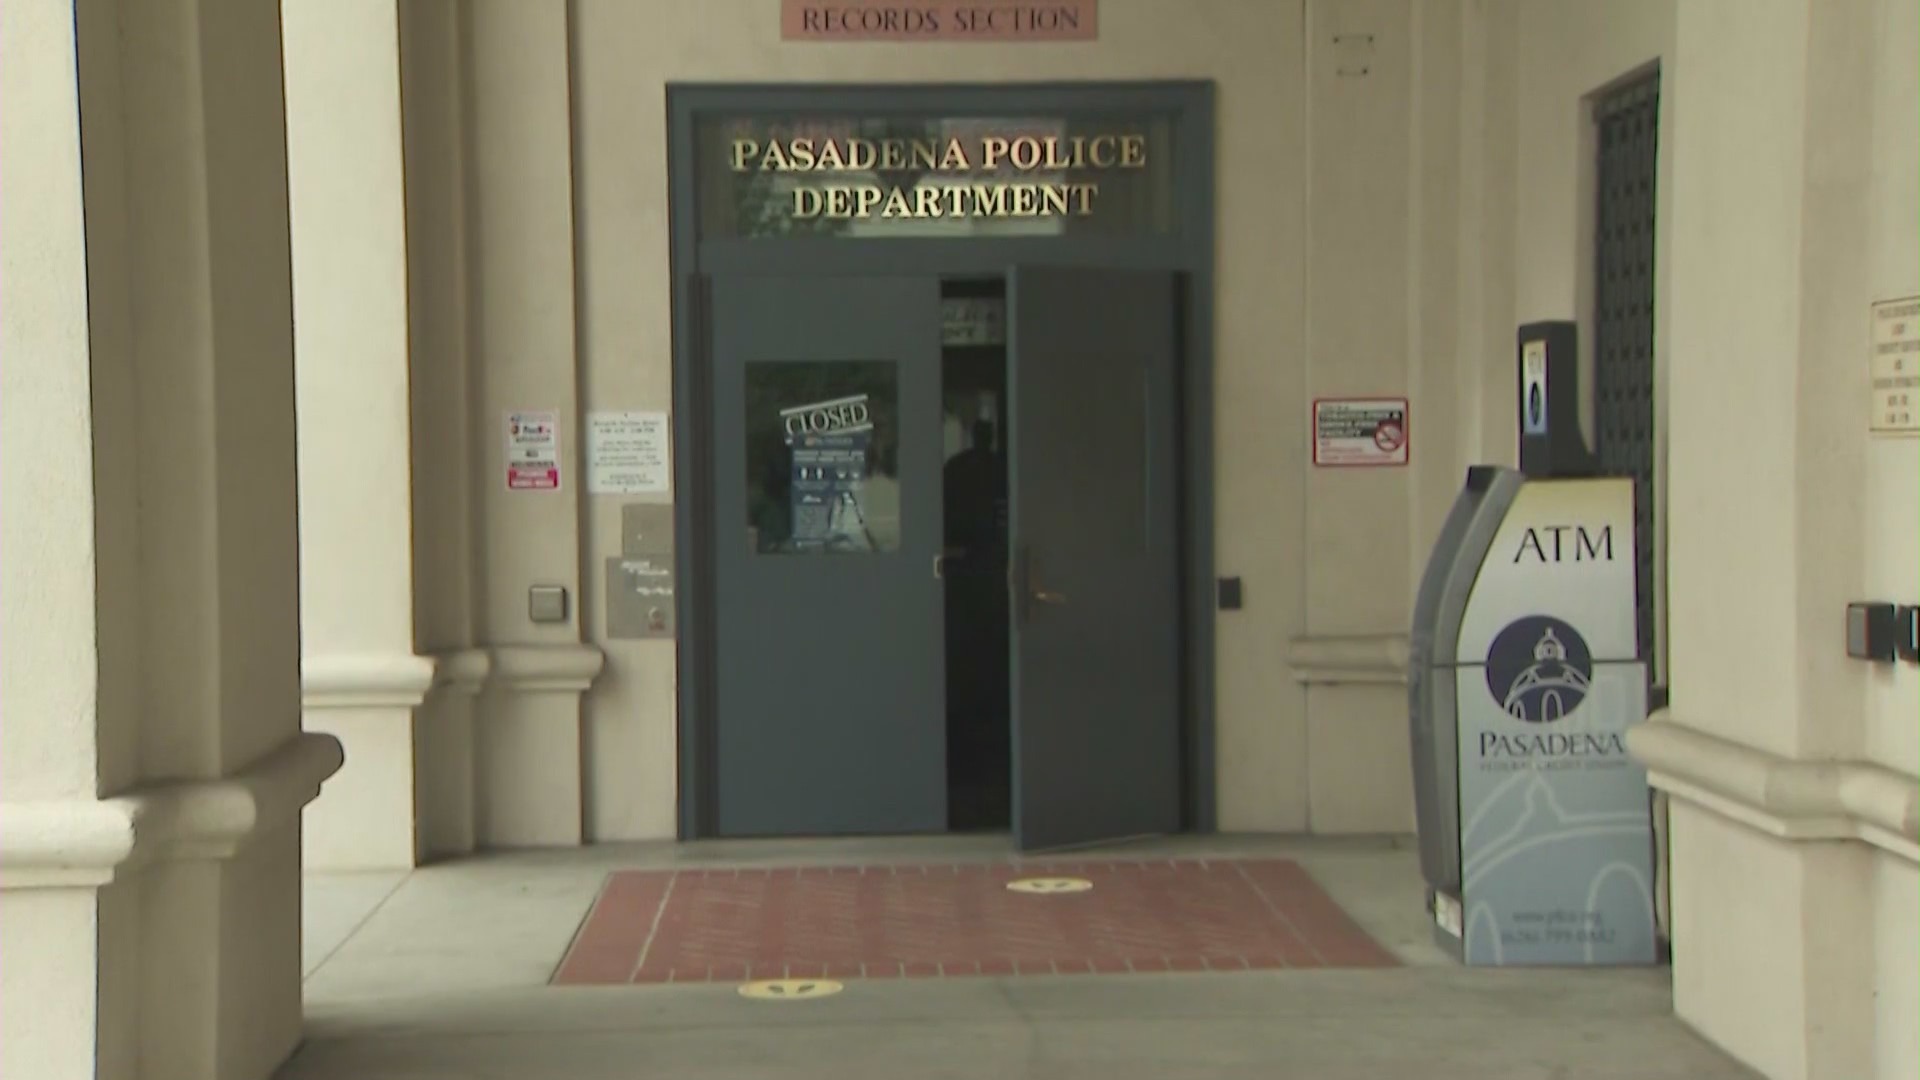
point(1360, 431)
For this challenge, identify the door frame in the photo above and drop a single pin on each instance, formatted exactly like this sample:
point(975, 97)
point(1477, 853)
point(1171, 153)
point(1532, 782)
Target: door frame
point(1188, 247)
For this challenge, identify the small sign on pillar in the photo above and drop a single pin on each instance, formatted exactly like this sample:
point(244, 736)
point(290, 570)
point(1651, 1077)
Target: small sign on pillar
point(1895, 367)
point(533, 450)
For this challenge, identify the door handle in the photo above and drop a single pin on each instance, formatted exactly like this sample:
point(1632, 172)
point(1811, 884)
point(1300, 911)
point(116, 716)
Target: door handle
point(1020, 581)
point(1019, 593)
point(946, 553)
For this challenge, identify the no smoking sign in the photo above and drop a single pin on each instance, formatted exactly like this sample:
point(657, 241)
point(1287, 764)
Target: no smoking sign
point(1360, 432)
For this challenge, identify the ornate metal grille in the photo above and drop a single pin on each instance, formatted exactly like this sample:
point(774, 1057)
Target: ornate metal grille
point(1627, 137)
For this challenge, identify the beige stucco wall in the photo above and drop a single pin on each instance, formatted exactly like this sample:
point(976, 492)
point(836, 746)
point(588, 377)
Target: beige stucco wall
point(1891, 265)
point(1328, 186)
point(46, 526)
point(1786, 206)
point(1794, 208)
point(444, 453)
point(1894, 943)
point(347, 201)
point(538, 226)
point(152, 671)
point(1891, 568)
point(1380, 234)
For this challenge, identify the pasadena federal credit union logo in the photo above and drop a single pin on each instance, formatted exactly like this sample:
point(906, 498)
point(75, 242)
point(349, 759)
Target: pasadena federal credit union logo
point(1539, 672)
point(1539, 669)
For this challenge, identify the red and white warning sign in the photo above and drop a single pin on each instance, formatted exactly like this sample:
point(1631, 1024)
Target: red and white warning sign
point(533, 451)
point(1360, 431)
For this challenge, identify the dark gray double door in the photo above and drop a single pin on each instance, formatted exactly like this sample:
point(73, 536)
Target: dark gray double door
point(827, 454)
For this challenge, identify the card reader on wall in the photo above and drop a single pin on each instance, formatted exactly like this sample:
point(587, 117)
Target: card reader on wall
point(1549, 402)
point(1883, 632)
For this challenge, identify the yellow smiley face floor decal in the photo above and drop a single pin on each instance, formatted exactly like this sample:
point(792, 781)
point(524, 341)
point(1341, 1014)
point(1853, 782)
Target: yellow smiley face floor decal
point(1049, 886)
point(790, 989)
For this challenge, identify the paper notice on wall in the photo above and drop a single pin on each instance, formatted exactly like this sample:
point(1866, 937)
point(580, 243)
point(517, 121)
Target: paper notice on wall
point(627, 453)
point(1895, 367)
point(1360, 431)
point(533, 451)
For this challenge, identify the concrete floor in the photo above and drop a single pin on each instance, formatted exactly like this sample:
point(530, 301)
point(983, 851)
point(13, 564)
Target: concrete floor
point(440, 974)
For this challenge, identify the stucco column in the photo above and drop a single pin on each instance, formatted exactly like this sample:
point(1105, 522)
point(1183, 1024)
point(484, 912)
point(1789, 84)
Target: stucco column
point(1789, 766)
point(528, 745)
point(152, 767)
point(347, 195)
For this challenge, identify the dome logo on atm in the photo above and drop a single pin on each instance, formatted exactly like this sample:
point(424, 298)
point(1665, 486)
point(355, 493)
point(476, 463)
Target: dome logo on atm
point(1539, 669)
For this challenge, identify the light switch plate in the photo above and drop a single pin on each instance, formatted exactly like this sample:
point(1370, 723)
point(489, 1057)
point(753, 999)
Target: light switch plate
point(1232, 597)
point(547, 603)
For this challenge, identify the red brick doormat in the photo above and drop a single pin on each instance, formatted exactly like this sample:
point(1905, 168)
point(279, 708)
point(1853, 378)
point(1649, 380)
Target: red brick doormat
point(930, 921)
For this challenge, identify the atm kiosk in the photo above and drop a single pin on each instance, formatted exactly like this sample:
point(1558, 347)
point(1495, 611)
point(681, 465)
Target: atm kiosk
point(1536, 837)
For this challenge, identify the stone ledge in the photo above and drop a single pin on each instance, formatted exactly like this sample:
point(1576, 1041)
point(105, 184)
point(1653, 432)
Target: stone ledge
point(462, 671)
point(83, 843)
point(544, 668)
point(1792, 800)
point(373, 681)
point(1354, 658)
point(517, 669)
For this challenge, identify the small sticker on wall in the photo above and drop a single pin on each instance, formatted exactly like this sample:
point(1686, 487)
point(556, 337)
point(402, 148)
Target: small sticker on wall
point(533, 450)
point(1360, 431)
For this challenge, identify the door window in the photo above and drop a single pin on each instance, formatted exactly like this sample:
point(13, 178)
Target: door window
point(823, 442)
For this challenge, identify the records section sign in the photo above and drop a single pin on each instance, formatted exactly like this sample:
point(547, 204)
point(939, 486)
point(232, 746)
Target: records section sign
point(940, 21)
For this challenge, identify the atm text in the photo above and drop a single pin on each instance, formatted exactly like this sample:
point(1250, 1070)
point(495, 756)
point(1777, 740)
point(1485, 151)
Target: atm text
point(1548, 544)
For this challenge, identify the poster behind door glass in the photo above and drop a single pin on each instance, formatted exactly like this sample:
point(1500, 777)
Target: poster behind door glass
point(822, 458)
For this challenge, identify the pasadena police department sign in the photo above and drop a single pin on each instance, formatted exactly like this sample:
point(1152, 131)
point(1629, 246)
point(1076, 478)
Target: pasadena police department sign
point(983, 176)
